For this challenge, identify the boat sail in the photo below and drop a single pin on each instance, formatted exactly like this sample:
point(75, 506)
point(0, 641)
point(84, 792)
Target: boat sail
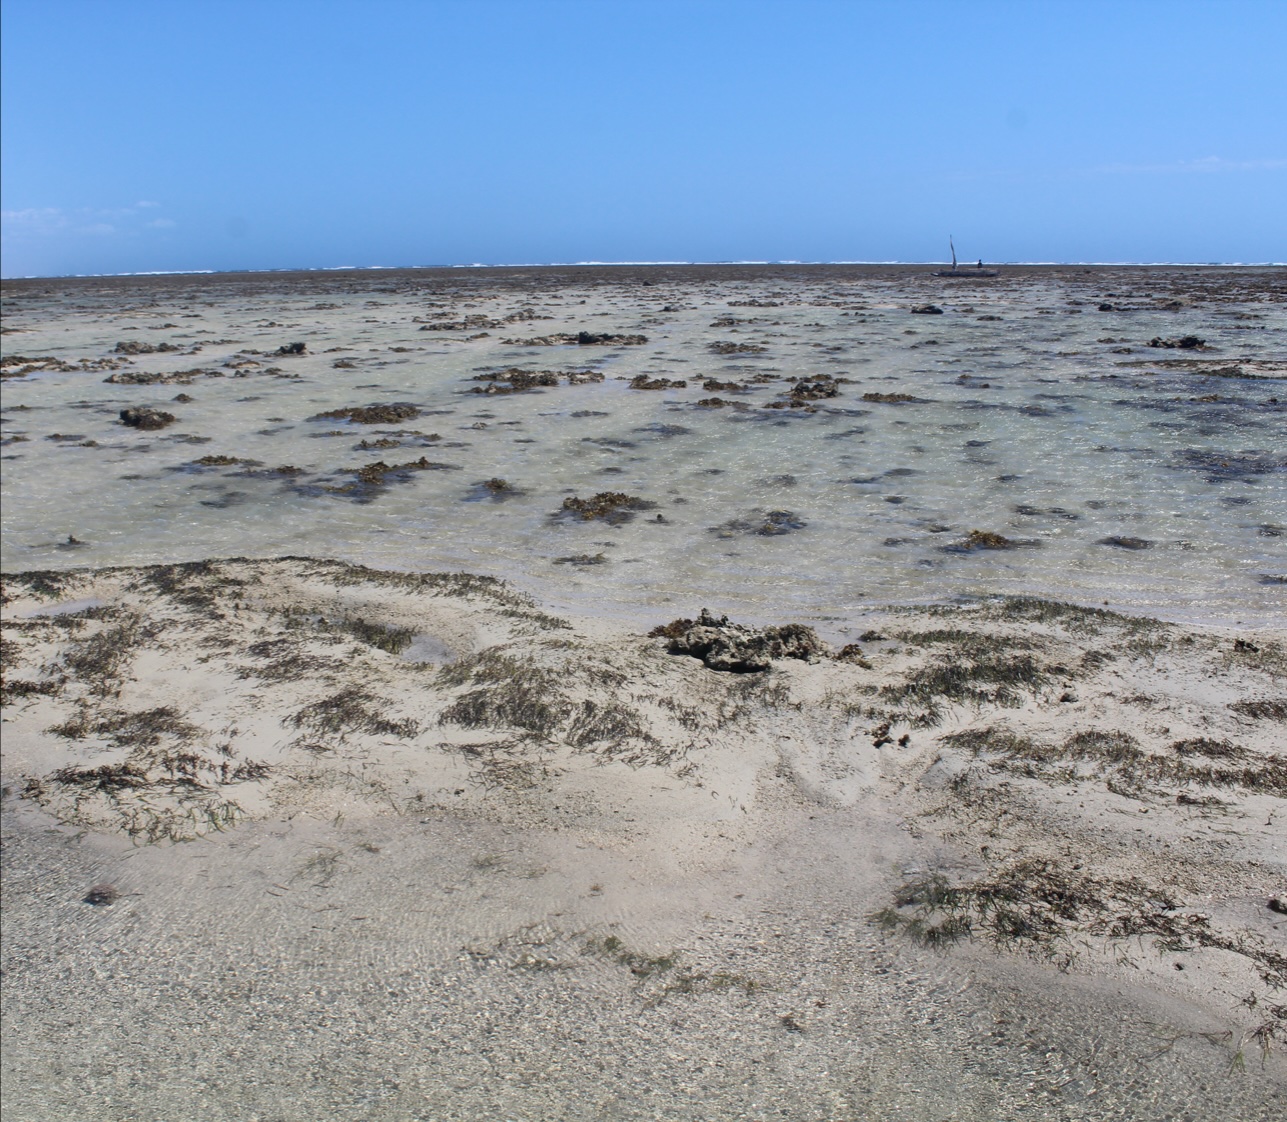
point(969, 272)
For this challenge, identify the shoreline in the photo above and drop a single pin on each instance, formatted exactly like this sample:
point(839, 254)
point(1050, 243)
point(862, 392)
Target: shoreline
point(875, 879)
point(642, 613)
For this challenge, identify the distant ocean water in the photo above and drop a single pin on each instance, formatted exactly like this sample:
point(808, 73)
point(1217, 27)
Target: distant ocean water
point(645, 264)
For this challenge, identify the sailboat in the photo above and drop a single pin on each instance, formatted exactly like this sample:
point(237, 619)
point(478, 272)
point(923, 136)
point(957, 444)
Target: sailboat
point(970, 271)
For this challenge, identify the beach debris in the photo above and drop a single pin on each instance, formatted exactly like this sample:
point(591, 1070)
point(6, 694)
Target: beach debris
point(614, 507)
point(736, 649)
point(852, 653)
point(377, 414)
point(291, 349)
point(1261, 709)
point(146, 418)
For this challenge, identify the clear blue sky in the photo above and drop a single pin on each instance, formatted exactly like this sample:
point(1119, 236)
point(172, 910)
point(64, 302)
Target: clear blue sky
point(222, 134)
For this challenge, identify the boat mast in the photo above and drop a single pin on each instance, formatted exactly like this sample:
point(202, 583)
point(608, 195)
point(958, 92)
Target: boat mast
point(949, 242)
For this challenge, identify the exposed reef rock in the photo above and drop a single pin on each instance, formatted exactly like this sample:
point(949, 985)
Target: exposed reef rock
point(737, 649)
point(1183, 343)
point(371, 414)
point(582, 338)
point(927, 310)
point(514, 380)
point(469, 323)
point(174, 378)
point(371, 480)
point(806, 390)
point(375, 473)
point(292, 349)
point(496, 490)
point(772, 524)
point(815, 389)
point(726, 347)
point(985, 539)
point(146, 418)
point(614, 507)
point(131, 347)
point(893, 398)
point(589, 338)
point(643, 382)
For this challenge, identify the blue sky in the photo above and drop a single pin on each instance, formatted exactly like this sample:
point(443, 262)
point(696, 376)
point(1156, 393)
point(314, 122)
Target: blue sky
point(220, 134)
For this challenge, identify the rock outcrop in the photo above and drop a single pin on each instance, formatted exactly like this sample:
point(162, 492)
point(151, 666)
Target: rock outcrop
point(736, 649)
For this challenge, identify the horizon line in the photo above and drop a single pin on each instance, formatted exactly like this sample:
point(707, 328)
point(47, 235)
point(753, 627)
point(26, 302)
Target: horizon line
point(631, 264)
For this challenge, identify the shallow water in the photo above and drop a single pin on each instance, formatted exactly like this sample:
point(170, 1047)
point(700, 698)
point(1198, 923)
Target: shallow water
point(1151, 478)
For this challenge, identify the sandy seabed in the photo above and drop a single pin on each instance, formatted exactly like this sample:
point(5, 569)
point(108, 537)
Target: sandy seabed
point(290, 838)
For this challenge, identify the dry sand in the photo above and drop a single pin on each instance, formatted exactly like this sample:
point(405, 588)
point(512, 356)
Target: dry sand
point(388, 846)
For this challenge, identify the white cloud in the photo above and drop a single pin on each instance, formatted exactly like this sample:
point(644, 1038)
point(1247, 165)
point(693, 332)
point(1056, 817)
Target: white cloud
point(34, 223)
point(35, 220)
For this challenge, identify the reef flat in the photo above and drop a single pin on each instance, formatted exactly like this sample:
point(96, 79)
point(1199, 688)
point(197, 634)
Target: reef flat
point(785, 442)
